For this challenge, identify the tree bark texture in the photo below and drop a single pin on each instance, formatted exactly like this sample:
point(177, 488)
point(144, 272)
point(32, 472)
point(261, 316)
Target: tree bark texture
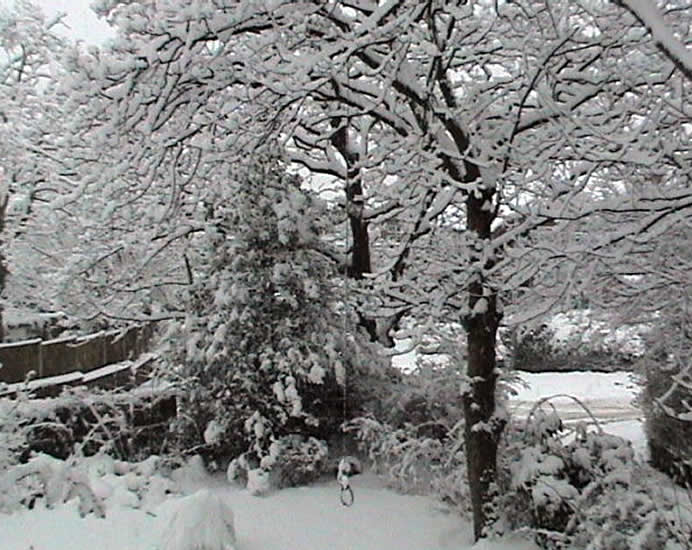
point(360, 254)
point(3, 268)
point(360, 231)
point(482, 430)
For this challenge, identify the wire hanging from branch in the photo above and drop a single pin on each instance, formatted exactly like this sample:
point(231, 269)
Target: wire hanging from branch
point(345, 468)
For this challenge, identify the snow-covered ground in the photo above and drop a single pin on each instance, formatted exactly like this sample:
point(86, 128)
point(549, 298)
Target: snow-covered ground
point(310, 518)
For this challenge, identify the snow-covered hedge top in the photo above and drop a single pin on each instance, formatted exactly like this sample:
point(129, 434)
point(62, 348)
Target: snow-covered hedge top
point(578, 328)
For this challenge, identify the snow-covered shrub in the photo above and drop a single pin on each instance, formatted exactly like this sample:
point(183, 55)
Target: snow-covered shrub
point(98, 483)
point(527, 347)
point(258, 482)
point(13, 432)
point(295, 460)
point(620, 512)
point(268, 347)
point(415, 463)
point(575, 340)
point(51, 480)
point(666, 400)
point(399, 453)
point(239, 467)
point(588, 493)
point(84, 421)
point(535, 486)
point(291, 461)
point(545, 476)
point(416, 441)
point(428, 397)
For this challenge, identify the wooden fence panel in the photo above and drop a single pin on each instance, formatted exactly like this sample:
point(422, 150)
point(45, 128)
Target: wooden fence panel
point(64, 355)
point(90, 352)
point(116, 349)
point(18, 359)
point(58, 356)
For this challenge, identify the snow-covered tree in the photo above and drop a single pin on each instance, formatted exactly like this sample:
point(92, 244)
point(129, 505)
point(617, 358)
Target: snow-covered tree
point(441, 120)
point(659, 22)
point(34, 170)
point(268, 342)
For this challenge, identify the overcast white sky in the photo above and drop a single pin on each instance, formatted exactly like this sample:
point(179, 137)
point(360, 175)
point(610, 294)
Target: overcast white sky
point(83, 23)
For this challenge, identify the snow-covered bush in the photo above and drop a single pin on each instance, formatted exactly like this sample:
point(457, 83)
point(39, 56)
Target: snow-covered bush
point(416, 440)
point(291, 461)
point(666, 399)
point(239, 467)
point(620, 512)
point(535, 486)
point(575, 340)
point(295, 460)
point(268, 347)
point(258, 482)
point(97, 483)
point(588, 493)
point(415, 463)
point(428, 396)
point(13, 433)
point(51, 480)
point(84, 421)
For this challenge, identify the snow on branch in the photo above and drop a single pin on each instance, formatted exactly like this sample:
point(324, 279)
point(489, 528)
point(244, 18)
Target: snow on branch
point(651, 17)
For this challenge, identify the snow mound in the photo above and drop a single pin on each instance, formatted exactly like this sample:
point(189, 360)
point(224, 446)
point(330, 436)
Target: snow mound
point(258, 483)
point(201, 521)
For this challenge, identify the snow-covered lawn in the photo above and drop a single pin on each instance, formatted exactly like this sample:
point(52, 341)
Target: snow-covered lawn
point(310, 518)
point(599, 391)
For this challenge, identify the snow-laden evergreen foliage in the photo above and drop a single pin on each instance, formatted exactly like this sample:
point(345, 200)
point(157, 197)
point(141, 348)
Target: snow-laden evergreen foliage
point(268, 347)
point(291, 461)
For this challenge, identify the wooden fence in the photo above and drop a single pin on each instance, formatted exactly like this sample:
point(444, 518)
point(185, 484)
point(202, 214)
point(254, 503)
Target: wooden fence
point(46, 358)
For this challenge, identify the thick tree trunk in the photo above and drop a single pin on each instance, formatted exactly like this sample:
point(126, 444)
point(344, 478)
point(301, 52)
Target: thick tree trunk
point(3, 272)
point(482, 427)
point(4, 197)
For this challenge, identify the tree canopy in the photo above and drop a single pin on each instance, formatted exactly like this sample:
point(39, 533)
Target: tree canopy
point(487, 160)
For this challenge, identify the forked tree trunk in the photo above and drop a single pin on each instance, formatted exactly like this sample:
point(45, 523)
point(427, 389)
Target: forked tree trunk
point(482, 429)
point(360, 252)
point(360, 264)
